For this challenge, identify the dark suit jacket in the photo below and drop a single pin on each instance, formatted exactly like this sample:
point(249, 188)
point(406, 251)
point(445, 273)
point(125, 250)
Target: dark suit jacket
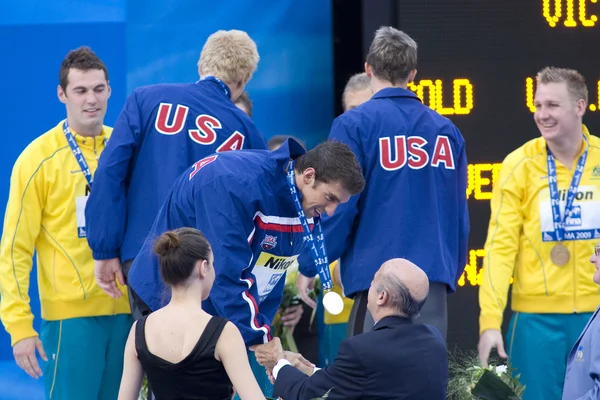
point(398, 359)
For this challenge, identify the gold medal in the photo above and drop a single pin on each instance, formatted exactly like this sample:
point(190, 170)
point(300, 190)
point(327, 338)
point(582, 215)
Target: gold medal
point(560, 254)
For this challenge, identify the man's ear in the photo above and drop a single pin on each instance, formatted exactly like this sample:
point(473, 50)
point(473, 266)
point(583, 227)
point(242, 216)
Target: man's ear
point(308, 176)
point(411, 76)
point(581, 107)
point(62, 96)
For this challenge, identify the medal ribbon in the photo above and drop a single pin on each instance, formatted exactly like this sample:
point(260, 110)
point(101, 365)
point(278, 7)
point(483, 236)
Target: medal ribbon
point(559, 223)
point(85, 169)
point(317, 244)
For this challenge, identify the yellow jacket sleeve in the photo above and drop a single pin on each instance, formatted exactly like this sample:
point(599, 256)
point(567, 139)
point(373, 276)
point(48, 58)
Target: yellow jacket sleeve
point(502, 244)
point(22, 223)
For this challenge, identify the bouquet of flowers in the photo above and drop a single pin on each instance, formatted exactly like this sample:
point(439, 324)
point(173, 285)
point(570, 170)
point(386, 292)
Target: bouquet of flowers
point(470, 381)
point(290, 298)
point(144, 390)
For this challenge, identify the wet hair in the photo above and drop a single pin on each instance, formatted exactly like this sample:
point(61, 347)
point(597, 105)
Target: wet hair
point(178, 252)
point(229, 55)
point(83, 59)
point(333, 162)
point(246, 102)
point(392, 55)
point(574, 80)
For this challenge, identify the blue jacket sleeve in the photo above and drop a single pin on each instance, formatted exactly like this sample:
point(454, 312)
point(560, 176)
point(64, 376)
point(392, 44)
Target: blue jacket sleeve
point(225, 211)
point(106, 208)
point(345, 378)
point(463, 208)
point(340, 225)
point(594, 354)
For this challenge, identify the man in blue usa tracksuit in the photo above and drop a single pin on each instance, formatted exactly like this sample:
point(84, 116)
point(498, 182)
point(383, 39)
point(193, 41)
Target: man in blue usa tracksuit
point(414, 205)
point(161, 131)
point(242, 202)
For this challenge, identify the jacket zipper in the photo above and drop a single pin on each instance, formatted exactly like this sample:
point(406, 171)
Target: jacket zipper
point(574, 280)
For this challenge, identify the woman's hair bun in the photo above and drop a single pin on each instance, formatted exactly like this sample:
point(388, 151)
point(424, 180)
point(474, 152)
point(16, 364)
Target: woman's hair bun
point(166, 243)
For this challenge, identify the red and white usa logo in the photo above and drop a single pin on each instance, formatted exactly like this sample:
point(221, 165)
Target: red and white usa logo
point(269, 242)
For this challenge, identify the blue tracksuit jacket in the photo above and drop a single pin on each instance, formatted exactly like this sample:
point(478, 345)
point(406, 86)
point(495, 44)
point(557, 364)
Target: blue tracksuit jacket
point(240, 200)
point(414, 204)
point(161, 131)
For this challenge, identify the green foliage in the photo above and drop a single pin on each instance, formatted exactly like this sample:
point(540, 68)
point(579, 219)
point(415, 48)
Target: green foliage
point(491, 387)
point(144, 392)
point(470, 381)
point(291, 298)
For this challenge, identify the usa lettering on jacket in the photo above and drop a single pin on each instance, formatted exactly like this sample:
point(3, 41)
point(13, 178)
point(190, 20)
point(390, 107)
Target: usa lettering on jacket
point(206, 125)
point(400, 151)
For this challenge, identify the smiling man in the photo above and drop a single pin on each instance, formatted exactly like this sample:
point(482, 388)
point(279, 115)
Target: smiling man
point(84, 330)
point(545, 219)
point(254, 207)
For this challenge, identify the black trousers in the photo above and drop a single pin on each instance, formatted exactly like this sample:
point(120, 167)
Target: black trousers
point(138, 307)
point(434, 311)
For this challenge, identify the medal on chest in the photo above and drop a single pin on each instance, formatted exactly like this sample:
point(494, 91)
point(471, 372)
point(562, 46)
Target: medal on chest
point(560, 254)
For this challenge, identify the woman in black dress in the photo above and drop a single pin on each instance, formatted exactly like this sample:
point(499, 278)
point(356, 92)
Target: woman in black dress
point(185, 352)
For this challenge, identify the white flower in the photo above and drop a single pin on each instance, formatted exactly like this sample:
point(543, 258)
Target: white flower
point(501, 369)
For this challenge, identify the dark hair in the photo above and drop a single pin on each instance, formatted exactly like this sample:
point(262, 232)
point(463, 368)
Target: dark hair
point(392, 55)
point(245, 101)
point(278, 140)
point(400, 297)
point(83, 59)
point(178, 252)
point(333, 162)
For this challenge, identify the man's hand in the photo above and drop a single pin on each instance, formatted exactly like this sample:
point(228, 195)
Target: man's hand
point(24, 352)
point(305, 285)
point(107, 273)
point(299, 362)
point(489, 339)
point(291, 316)
point(268, 354)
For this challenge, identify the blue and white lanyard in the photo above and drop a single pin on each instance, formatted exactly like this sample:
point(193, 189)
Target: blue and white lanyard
point(559, 224)
point(317, 245)
point(220, 82)
point(85, 169)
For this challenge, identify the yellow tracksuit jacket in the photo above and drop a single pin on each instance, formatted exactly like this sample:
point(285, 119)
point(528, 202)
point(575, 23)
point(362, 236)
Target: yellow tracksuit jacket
point(517, 247)
point(41, 215)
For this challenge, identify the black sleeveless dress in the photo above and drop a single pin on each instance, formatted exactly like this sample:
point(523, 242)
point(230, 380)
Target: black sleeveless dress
point(199, 376)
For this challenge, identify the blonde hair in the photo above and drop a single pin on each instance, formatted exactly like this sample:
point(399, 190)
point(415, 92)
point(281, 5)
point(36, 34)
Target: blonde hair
point(574, 80)
point(231, 56)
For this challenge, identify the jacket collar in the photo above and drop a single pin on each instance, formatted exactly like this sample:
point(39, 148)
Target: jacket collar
point(395, 92)
point(289, 150)
point(542, 146)
point(91, 142)
point(387, 322)
point(215, 82)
